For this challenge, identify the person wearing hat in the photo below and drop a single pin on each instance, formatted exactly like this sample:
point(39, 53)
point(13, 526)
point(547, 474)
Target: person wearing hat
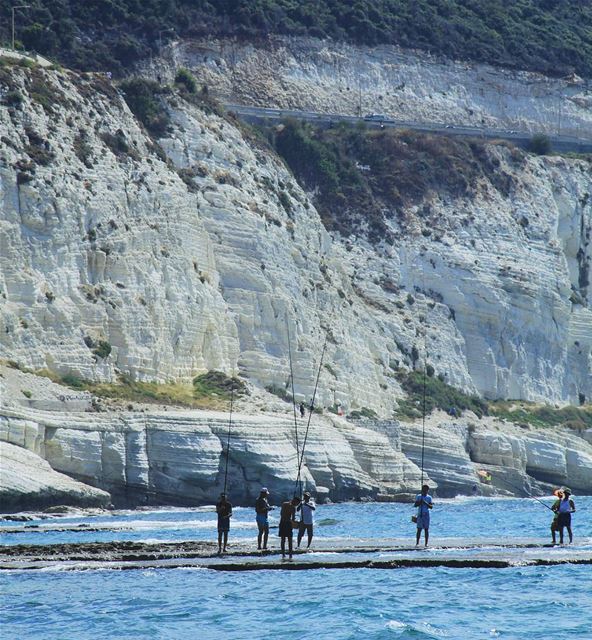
point(564, 510)
point(224, 511)
point(262, 509)
point(307, 509)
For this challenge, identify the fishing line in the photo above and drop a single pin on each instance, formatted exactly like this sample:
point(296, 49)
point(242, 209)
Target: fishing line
point(228, 439)
point(425, 361)
point(522, 490)
point(293, 394)
point(309, 417)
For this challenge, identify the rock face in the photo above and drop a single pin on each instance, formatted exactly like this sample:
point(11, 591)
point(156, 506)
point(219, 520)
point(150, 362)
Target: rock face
point(180, 456)
point(116, 261)
point(101, 242)
point(112, 264)
point(329, 77)
point(28, 482)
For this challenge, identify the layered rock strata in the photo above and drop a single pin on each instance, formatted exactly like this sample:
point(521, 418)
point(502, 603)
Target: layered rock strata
point(28, 482)
point(180, 457)
point(329, 77)
point(112, 264)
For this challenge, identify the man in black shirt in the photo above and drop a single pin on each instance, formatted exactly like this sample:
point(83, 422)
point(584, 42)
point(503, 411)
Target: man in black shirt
point(224, 511)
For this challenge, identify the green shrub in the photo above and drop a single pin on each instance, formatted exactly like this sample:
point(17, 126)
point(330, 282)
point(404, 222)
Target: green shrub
point(579, 418)
point(552, 36)
point(119, 146)
point(540, 144)
point(26, 393)
point(73, 381)
point(82, 148)
point(280, 392)
point(219, 384)
point(185, 78)
point(404, 168)
point(364, 412)
point(438, 395)
point(12, 99)
point(103, 349)
point(144, 99)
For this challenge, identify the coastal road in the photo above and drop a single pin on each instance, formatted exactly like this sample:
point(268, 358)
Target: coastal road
point(262, 115)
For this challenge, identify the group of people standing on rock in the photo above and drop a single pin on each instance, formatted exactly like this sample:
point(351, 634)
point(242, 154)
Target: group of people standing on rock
point(288, 522)
point(563, 507)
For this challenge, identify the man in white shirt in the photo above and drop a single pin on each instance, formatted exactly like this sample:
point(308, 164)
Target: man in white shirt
point(307, 509)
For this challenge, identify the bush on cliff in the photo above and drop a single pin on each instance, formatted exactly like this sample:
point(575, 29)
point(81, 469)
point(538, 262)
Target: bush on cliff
point(362, 178)
point(211, 390)
point(528, 413)
point(438, 395)
point(144, 98)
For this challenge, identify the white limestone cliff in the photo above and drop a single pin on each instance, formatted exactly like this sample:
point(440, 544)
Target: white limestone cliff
point(104, 245)
point(177, 283)
point(329, 77)
point(28, 482)
point(180, 456)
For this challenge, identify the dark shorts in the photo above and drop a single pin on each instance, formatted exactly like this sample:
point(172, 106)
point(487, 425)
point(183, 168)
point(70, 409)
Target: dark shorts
point(285, 529)
point(304, 528)
point(564, 520)
point(223, 524)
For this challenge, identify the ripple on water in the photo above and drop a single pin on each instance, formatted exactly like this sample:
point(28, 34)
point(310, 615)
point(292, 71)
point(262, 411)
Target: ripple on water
point(189, 603)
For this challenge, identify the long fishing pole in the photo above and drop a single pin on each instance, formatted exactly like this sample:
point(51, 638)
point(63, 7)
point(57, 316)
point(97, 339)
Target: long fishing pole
point(228, 439)
point(293, 394)
point(425, 364)
point(423, 415)
point(310, 416)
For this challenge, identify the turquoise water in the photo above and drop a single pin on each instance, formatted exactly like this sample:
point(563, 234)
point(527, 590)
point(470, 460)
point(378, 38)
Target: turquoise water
point(524, 603)
point(460, 517)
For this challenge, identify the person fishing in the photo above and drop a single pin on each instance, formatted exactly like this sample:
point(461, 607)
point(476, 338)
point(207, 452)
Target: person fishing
point(262, 509)
point(307, 509)
point(287, 517)
point(424, 503)
point(564, 510)
point(555, 509)
point(224, 511)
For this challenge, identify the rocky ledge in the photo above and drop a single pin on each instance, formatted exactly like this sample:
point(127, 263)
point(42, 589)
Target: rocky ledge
point(178, 457)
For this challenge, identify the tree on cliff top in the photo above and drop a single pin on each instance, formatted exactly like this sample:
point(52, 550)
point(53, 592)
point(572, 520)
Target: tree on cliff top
point(551, 36)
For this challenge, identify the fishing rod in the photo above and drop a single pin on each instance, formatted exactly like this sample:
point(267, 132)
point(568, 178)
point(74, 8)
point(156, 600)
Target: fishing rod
point(522, 490)
point(425, 364)
point(423, 412)
point(228, 439)
point(310, 416)
point(293, 394)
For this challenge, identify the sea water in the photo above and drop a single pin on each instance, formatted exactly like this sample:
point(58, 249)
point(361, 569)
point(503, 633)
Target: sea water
point(524, 602)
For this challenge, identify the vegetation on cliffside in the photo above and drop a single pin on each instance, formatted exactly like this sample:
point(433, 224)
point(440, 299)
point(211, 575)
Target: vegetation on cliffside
point(545, 35)
point(363, 177)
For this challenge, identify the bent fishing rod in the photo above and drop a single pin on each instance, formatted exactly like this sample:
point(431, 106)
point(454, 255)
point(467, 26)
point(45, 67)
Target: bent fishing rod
point(522, 490)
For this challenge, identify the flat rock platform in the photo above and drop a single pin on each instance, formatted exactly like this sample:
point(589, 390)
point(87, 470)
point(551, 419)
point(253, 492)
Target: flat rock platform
point(336, 553)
